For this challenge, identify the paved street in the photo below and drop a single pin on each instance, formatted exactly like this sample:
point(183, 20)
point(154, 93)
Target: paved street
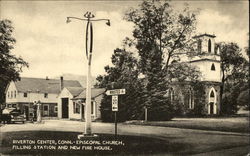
point(199, 140)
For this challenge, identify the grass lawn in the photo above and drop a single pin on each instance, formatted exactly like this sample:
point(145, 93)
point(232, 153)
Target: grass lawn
point(237, 124)
point(133, 145)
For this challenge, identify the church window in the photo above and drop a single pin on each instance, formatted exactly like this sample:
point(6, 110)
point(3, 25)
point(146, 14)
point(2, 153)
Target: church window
point(199, 46)
point(190, 99)
point(213, 67)
point(171, 93)
point(209, 46)
point(212, 94)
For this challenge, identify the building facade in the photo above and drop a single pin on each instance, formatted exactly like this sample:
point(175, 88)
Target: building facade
point(207, 60)
point(71, 103)
point(24, 93)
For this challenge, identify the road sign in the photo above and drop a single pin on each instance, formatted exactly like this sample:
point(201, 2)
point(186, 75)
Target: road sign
point(115, 103)
point(116, 92)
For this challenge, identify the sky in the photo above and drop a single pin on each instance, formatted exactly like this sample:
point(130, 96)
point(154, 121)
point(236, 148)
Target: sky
point(52, 47)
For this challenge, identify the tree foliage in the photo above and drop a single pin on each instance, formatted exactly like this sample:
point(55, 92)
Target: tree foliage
point(123, 74)
point(235, 72)
point(10, 65)
point(160, 37)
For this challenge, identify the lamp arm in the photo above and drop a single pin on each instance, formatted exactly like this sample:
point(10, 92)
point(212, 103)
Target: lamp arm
point(99, 19)
point(82, 19)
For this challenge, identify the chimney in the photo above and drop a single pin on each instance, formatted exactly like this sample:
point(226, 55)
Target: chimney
point(47, 78)
point(61, 83)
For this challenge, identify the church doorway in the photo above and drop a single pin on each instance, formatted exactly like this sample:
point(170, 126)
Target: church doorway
point(211, 104)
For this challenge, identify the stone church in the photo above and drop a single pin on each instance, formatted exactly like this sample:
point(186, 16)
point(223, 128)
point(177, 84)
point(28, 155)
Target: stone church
point(209, 64)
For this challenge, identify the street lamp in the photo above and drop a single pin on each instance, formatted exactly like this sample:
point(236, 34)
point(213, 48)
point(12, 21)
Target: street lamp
point(89, 29)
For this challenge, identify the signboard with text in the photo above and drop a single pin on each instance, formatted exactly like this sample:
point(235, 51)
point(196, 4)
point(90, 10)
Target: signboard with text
point(116, 92)
point(115, 103)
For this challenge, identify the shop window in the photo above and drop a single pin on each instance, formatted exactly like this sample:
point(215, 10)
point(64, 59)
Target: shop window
point(55, 109)
point(76, 108)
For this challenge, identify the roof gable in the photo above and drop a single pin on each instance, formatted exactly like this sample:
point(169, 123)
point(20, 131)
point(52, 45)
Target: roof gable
point(43, 85)
point(94, 93)
point(75, 91)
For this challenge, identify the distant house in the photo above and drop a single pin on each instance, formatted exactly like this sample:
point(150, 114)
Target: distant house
point(71, 102)
point(22, 94)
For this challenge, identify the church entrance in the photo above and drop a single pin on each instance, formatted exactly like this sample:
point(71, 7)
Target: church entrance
point(211, 104)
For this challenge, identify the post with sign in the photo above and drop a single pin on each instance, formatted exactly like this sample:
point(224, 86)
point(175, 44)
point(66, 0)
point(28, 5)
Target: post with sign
point(115, 109)
point(115, 94)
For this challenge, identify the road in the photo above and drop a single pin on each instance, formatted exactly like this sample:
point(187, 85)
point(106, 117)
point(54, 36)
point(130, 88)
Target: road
point(201, 141)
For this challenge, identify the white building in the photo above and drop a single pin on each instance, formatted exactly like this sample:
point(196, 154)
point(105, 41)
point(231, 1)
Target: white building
point(22, 94)
point(207, 60)
point(71, 103)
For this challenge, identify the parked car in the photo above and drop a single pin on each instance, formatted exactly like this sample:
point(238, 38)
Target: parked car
point(11, 115)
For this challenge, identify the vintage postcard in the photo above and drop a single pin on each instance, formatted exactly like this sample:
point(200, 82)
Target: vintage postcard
point(123, 77)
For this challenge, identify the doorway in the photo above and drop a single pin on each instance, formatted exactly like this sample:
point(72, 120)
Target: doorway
point(65, 107)
point(26, 110)
point(211, 108)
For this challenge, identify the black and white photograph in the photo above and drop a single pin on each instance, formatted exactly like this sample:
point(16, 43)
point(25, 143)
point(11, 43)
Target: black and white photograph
point(123, 77)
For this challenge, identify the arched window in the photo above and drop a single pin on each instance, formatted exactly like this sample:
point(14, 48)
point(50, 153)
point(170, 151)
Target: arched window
point(213, 67)
point(212, 94)
point(212, 108)
point(209, 46)
point(199, 46)
point(171, 93)
point(190, 99)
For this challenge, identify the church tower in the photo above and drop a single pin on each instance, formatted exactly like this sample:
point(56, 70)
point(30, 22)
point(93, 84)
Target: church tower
point(208, 62)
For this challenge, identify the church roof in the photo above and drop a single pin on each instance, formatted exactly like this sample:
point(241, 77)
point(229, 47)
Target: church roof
point(43, 85)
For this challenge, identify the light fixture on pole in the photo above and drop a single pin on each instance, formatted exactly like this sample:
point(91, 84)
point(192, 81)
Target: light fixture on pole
point(89, 44)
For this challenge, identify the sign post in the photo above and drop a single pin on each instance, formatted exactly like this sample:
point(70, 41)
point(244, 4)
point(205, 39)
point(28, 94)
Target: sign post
point(115, 109)
point(114, 106)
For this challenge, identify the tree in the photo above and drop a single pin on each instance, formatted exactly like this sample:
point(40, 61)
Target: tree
point(123, 74)
point(234, 75)
point(160, 36)
point(10, 65)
